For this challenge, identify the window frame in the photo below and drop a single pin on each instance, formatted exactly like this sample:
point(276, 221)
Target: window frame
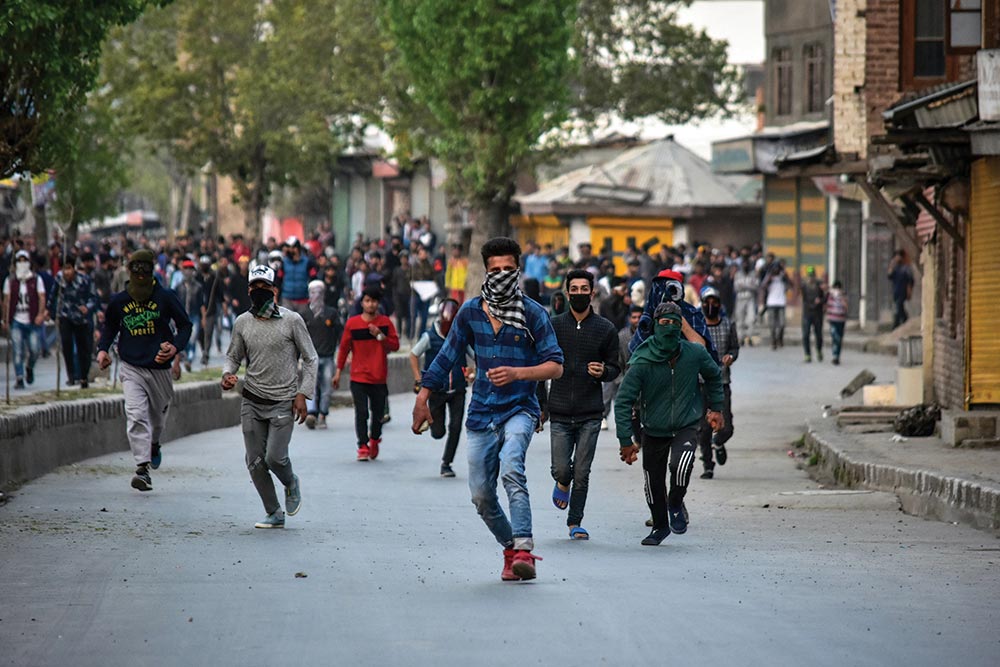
point(908, 79)
point(815, 77)
point(783, 72)
point(961, 50)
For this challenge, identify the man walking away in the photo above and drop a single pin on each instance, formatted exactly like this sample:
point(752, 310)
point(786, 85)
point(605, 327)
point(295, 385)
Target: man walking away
point(663, 377)
point(515, 348)
point(723, 333)
point(775, 288)
point(836, 315)
point(813, 301)
point(453, 397)
point(746, 284)
point(74, 302)
point(324, 328)
point(901, 277)
point(140, 318)
point(368, 339)
point(589, 344)
point(272, 340)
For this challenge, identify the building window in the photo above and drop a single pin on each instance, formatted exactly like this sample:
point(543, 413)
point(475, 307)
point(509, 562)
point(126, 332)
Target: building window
point(815, 93)
point(782, 59)
point(928, 40)
point(965, 25)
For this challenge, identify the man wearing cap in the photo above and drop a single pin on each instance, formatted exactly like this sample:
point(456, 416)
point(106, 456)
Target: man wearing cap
point(140, 317)
point(24, 314)
point(668, 285)
point(813, 302)
point(272, 340)
point(722, 331)
point(663, 379)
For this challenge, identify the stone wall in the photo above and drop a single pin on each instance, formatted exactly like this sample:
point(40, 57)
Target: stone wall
point(850, 128)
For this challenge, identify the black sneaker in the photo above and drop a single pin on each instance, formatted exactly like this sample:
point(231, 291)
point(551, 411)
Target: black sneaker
point(678, 520)
point(156, 457)
point(708, 474)
point(720, 454)
point(84, 384)
point(141, 480)
point(446, 470)
point(655, 537)
point(29, 375)
point(19, 384)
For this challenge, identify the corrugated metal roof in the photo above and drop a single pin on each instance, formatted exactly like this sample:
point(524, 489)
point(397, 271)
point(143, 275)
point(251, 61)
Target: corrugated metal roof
point(674, 176)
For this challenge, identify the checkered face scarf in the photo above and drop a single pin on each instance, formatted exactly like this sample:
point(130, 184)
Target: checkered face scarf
point(504, 298)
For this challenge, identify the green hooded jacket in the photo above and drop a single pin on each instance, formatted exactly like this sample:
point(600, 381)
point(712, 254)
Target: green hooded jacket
point(668, 394)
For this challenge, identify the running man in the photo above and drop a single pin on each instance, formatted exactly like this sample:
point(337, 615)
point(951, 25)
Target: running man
point(515, 348)
point(453, 397)
point(368, 339)
point(140, 317)
point(272, 339)
point(663, 378)
point(722, 331)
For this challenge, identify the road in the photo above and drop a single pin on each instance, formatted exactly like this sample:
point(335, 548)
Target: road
point(400, 570)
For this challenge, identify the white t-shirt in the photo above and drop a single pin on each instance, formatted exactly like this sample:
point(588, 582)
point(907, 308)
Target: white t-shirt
point(776, 293)
point(21, 313)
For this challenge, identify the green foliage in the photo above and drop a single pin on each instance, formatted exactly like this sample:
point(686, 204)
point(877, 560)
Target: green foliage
point(484, 79)
point(49, 59)
point(267, 93)
point(90, 170)
point(636, 60)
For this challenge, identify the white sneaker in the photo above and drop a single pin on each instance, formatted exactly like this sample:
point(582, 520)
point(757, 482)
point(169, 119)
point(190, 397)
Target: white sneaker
point(604, 424)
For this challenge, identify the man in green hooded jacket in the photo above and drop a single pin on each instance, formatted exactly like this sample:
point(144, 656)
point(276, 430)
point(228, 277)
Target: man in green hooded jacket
point(663, 379)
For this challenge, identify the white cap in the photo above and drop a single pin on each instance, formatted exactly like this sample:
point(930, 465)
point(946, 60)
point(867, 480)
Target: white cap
point(261, 274)
point(292, 240)
point(275, 254)
point(22, 253)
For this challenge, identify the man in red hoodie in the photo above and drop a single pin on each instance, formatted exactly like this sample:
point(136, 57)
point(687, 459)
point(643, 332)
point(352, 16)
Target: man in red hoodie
point(368, 338)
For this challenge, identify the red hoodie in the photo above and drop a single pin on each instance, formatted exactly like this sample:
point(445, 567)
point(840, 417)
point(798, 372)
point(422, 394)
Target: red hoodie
point(368, 354)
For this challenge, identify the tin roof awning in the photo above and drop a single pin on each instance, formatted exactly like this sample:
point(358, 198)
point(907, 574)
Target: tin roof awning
point(947, 105)
point(619, 194)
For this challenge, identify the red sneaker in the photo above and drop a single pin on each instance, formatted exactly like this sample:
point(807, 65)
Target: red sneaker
point(373, 448)
point(523, 565)
point(508, 562)
point(364, 453)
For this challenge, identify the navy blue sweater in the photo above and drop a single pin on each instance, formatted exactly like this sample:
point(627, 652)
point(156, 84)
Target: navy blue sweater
point(142, 327)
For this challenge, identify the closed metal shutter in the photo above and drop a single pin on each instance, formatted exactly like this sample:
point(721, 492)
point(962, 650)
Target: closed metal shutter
point(983, 341)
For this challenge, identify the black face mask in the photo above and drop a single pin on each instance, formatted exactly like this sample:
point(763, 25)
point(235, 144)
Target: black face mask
point(262, 300)
point(579, 302)
point(711, 310)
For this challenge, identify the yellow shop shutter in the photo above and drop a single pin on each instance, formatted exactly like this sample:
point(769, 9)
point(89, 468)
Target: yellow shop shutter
point(983, 380)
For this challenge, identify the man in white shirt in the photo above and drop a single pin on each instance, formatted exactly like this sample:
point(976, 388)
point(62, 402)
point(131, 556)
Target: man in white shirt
point(24, 315)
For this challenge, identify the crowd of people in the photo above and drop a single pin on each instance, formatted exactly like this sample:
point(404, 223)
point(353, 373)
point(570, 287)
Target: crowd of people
point(549, 340)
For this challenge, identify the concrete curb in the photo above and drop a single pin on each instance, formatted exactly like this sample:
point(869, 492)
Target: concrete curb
point(34, 440)
point(925, 493)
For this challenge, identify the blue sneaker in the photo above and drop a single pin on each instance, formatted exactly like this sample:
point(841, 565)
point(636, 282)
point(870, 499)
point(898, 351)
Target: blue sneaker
point(157, 458)
point(293, 497)
point(275, 520)
point(678, 520)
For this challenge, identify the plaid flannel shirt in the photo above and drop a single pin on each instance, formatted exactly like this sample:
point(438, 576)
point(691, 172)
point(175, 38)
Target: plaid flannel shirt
point(508, 347)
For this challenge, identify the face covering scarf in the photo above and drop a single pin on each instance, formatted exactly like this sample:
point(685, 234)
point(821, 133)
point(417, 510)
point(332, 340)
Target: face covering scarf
point(711, 310)
point(661, 346)
point(22, 270)
point(140, 283)
point(579, 302)
point(262, 301)
point(504, 299)
point(316, 300)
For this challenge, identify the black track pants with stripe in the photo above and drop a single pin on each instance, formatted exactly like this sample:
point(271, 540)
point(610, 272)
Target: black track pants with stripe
point(662, 455)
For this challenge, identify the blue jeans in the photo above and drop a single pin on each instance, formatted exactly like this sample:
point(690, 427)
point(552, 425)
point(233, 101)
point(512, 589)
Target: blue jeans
point(836, 337)
point(320, 402)
point(419, 312)
point(499, 451)
point(579, 438)
point(21, 335)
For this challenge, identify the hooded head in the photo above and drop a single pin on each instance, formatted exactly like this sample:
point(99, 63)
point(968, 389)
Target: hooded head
point(317, 292)
point(665, 342)
point(140, 272)
point(448, 311)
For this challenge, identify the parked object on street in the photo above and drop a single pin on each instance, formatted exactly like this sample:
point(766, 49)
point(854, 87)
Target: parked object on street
point(859, 381)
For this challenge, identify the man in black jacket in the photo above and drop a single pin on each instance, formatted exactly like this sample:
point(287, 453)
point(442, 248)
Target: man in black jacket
point(722, 331)
point(324, 327)
point(575, 404)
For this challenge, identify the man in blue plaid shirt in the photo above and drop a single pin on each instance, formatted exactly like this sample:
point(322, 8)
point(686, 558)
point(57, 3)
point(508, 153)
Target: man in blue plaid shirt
point(515, 347)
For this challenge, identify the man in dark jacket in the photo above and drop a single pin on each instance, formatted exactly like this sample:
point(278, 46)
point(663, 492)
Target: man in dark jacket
point(575, 404)
point(140, 318)
point(663, 378)
point(74, 302)
point(722, 331)
point(324, 327)
point(813, 302)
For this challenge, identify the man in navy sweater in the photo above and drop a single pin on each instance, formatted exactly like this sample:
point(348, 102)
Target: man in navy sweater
point(140, 317)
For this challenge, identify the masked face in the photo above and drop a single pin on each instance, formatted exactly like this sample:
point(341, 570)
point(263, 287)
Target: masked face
point(712, 308)
point(22, 269)
point(668, 331)
point(262, 298)
point(674, 291)
point(140, 283)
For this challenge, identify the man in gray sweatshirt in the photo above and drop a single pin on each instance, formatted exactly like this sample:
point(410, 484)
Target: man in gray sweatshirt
point(272, 340)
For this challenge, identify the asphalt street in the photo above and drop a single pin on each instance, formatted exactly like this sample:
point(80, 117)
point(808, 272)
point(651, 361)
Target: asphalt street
point(388, 564)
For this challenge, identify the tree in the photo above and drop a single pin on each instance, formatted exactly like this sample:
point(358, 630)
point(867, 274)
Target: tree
point(265, 93)
point(48, 62)
point(485, 79)
point(486, 85)
point(90, 170)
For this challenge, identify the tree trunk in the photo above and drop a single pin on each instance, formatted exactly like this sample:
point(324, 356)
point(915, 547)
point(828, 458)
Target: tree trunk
point(185, 211)
point(41, 230)
point(492, 219)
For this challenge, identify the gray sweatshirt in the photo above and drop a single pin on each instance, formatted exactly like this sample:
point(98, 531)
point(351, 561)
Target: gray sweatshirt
point(272, 349)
